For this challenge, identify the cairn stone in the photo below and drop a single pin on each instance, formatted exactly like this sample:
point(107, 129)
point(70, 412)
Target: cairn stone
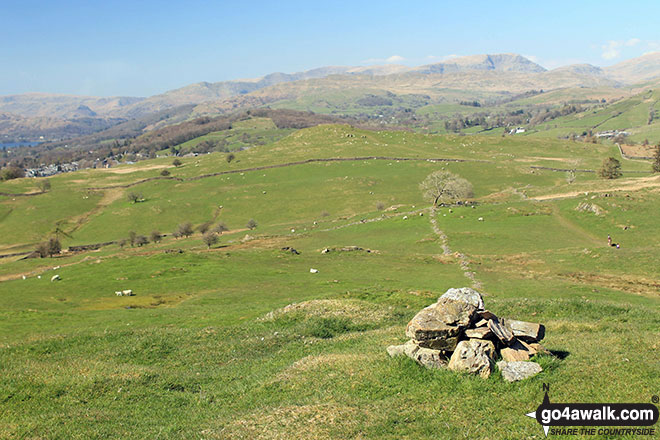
point(526, 331)
point(516, 351)
point(473, 356)
point(515, 371)
point(458, 333)
point(465, 294)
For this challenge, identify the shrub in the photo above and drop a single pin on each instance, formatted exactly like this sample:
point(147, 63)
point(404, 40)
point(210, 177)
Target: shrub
point(177, 163)
point(230, 157)
point(12, 173)
point(135, 197)
point(380, 206)
point(165, 173)
point(251, 224)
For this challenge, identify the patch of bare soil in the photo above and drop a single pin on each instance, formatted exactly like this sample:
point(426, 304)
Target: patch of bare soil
point(628, 185)
point(134, 169)
point(290, 422)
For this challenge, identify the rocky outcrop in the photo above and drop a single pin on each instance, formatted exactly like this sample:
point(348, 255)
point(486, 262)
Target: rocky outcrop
point(458, 333)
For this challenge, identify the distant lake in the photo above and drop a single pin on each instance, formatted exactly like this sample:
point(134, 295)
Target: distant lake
point(17, 144)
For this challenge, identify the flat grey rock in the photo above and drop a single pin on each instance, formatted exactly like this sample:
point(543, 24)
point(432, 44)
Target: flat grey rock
point(520, 370)
point(465, 294)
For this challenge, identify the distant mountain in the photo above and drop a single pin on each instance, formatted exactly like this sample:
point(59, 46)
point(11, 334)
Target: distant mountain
point(505, 62)
point(636, 70)
point(331, 89)
point(581, 69)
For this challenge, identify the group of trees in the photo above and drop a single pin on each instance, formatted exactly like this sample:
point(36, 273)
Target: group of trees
point(49, 248)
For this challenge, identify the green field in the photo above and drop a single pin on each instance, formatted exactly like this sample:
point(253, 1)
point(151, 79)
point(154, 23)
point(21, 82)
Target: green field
point(208, 347)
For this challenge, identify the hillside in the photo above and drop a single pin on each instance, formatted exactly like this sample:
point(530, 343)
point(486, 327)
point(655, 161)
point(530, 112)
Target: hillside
point(239, 338)
point(365, 91)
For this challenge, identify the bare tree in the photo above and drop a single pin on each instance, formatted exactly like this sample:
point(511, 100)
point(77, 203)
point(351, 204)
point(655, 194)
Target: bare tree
point(132, 236)
point(443, 186)
point(134, 197)
point(156, 236)
point(251, 224)
point(44, 185)
point(204, 227)
point(184, 230)
point(210, 238)
point(220, 228)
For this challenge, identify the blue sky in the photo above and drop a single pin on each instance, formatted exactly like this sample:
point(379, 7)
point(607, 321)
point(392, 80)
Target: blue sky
point(141, 48)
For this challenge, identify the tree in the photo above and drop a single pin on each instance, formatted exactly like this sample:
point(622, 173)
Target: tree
point(134, 197)
point(656, 160)
point(204, 227)
point(49, 248)
point(184, 230)
point(131, 237)
point(42, 250)
point(210, 238)
point(12, 173)
point(44, 185)
point(141, 240)
point(611, 169)
point(443, 186)
point(177, 163)
point(164, 173)
point(251, 224)
point(220, 228)
point(156, 236)
point(230, 157)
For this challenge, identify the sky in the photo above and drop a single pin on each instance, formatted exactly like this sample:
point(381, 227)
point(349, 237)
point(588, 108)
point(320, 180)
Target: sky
point(142, 48)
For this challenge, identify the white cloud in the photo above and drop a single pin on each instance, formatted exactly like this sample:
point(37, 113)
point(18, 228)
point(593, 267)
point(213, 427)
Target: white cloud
point(612, 49)
point(395, 59)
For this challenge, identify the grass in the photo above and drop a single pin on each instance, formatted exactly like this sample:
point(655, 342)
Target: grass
point(242, 341)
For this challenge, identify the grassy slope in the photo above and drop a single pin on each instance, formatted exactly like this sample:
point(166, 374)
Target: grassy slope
point(191, 355)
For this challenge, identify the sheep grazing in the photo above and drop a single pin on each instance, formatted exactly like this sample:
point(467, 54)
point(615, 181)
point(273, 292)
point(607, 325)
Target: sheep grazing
point(119, 293)
point(127, 292)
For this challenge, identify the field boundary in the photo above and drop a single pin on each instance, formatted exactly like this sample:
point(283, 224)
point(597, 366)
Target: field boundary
point(287, 164)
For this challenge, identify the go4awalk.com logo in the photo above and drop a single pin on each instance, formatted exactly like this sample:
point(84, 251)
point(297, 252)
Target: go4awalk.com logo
point(610, 419)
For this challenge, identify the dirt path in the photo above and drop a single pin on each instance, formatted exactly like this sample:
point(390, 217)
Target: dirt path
point(595, 241)
point(462, 258)
point(630, 185)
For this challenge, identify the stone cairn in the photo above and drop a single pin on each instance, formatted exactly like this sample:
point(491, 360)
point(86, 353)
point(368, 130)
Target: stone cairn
point(458, 333)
